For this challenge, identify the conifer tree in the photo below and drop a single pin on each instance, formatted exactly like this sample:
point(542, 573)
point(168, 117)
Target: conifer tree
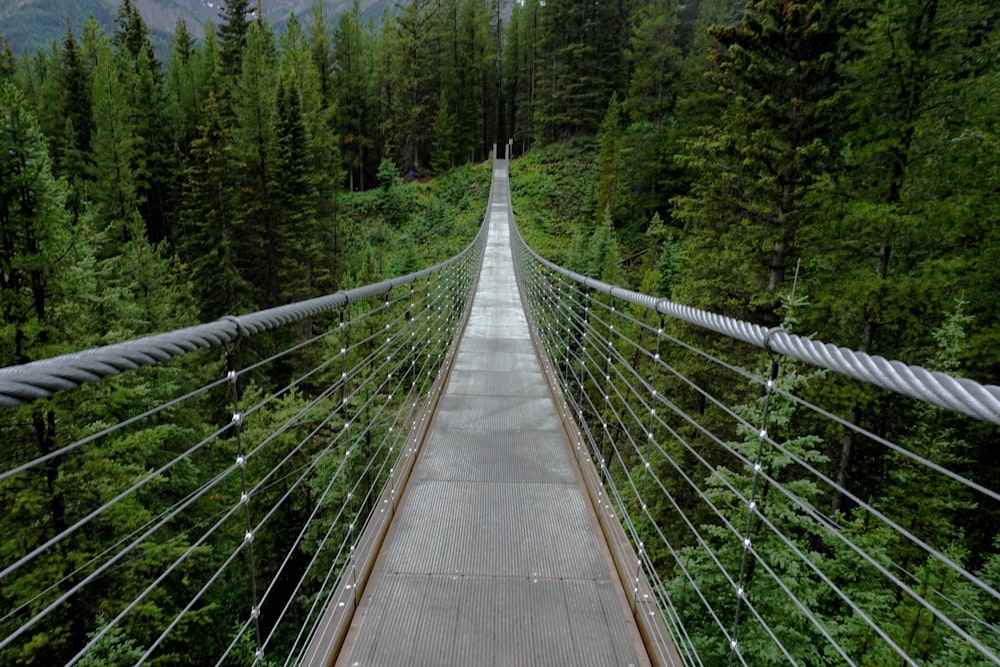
point(353, 52)
point(254, 150)
point(181, 99)
point(756, 166)
point(114, 148)
point(233, 30)
point(210, 242)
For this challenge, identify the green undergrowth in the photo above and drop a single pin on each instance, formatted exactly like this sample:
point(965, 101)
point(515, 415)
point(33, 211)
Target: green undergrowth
point(552, 191)
point(400, 227)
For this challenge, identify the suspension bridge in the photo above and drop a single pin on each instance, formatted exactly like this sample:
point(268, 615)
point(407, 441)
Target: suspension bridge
point(493, 461)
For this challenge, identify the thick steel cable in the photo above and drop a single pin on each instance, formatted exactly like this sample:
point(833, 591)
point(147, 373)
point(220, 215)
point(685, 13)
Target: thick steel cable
point(958, 394)
point(747, 462)
point(555, 355)
point(623, 362)
point(364, 364)
point(43, 378)
point(884, 637)
point(594, 447)
point(774, 529)
point(138, 541)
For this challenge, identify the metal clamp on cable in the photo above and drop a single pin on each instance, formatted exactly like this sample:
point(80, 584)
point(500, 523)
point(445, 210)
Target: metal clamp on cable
point(768, 336)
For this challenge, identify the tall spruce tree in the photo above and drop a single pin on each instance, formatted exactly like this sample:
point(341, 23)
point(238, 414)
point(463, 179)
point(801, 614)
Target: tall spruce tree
point(354, 55)
point(755, 167)
point(254, 150)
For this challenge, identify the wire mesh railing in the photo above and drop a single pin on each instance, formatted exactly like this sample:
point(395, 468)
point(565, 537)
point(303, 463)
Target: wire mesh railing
point(772, 528)
point(135, 533)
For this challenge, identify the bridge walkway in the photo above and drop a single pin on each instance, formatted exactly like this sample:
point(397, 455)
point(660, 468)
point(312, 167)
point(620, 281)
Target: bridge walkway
point(495, 556)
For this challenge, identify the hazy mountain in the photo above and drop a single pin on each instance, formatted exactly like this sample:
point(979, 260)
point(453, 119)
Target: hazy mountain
point(30, 24)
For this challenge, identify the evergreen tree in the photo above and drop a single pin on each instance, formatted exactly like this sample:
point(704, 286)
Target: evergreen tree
point(609, 140)
point(114, 189)
point(353, 52)
point(581, 65)
point(520, 59)
point(653, 53)
point(254, 150)
point(76, 108)
point(182, 98)
point(411, 56)
point(299, 254)
point(756, 166)
point(131, 33)
point(210, 239)
point(233, 30)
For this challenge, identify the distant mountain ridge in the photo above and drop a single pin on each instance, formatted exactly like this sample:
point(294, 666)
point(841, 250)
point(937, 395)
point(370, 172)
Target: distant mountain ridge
point(32, 24)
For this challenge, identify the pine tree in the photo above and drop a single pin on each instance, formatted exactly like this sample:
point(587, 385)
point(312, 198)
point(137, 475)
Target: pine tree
point(210, 239)
point(300, 263)
point(75, 107)
point(609, 146)
point(182, 99)
point(581, 65)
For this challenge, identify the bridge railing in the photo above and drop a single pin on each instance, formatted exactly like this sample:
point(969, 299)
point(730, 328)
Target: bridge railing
point(136, 533)
point(732, 456)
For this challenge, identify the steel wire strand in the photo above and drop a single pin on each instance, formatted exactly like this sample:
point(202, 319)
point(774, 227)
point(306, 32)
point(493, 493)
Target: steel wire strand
point(805, 507)
point(941, 558)
point(323, 335)
point(721, 568)
point(236, 639)
point(124, 552)
point(549, 334)
point(257, 488)
point(68, 531)
point(764, 565)
point(592, 442)
point(333, 524)
point(385, 461)
point(903, 532)
point(163, 575)
point(93, 561)
point(731, 528)
point(194, 600)
point(405, 418)
point(958, 394)
point(306, 526)
point(302, 532)
point(899, 449)
point(401, 419)
point(42, 378)
point(66, 449)
point(166, 518)
point(623, 512)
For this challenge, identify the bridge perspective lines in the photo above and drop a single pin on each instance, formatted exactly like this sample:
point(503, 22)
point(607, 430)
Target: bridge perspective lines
point(494, 557)
point(494, 460)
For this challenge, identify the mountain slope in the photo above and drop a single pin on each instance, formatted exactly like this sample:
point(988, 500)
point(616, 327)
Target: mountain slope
point(33, 24)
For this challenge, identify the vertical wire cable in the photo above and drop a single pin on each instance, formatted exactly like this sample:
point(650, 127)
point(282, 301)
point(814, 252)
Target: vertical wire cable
point(647, 464)
point(241, 462)
point(752, 509)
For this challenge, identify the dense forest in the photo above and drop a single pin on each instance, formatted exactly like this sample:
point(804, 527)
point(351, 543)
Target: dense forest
point(721, 154)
